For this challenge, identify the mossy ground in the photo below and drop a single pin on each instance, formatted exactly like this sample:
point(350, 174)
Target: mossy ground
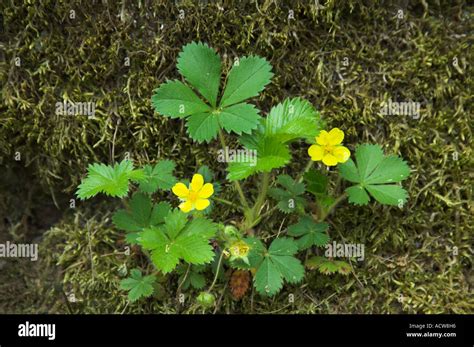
point(409, 251)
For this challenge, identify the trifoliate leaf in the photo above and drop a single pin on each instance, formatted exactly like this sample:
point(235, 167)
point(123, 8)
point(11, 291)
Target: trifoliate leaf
point(375, 173)
point(239, 118)
point(203, 126)
point(110, 180)
point(292, 119)
point(310, 233)
point(138, 286)
point(177, 240)
point(158, 177)
point(271, 154)
point(201, 66)
point(246, 79)
point(328, 266)
point(290, 198)
point(176, 100)
point(274, 266)
point(142, 214)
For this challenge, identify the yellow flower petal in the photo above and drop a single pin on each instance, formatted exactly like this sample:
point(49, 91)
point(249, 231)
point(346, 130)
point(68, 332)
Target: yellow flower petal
point(316, 152)
point(180, 190)
point(201, 204)
point(329, 160)
point(206, 191)
point(186, 206)
point(341, 153)
point(322, 138)
point(335, 136)
point(197, 182)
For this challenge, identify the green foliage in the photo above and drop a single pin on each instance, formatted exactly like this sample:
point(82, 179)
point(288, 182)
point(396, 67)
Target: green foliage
point(142, 214)
point(157, 177)
point(201, 67)
point(295, 118)
point(328, 266)
point(179, 239)
point(138, 286)
point(194, 277)
point(316, 182)
point(107, 179)
point(309, 232)
point(247, 78)
point(275, 265)
point(290, 197)
point(375, 173)
point(291, 120)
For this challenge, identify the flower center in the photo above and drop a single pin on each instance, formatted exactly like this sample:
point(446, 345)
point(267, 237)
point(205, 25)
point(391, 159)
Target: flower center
point(193, 196)
point(329, 149)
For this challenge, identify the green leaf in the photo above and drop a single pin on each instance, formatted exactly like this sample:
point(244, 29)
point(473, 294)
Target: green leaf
point(176, 100)
point(194, 277)
point(389, 194)
point(328, 266)
point(316, 182)
point(310, 233)
point(368, 157)
point(375, 174)
point(275, 266)
point(201, 66)
point(290, 198)
point(292, 119)
point(137, 285)
point(110, 180)
point(203, 126)
point(240, 118)
point(271, 154)
point(358, 195)
point(246, 80)
point(179, 239)
point(158, 177)
point(142, 214)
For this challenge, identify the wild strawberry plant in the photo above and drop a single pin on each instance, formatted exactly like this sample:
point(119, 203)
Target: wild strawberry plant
point(178, 235)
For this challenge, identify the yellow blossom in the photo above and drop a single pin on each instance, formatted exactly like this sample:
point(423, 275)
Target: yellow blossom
point(329, 149)
point(194, 197)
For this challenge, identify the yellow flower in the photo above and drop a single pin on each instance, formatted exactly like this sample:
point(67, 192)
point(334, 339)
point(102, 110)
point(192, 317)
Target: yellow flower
point(329, 149)
point(196, 197)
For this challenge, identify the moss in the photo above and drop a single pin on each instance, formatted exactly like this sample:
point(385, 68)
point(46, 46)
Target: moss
point(409, 251)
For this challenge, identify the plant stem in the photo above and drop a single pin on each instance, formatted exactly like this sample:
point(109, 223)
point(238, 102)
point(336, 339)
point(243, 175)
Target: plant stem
point(227, 202)
point(243, 200)
point(217, 272)
point(308, 166)
point(326, 212)
point(262, 194)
